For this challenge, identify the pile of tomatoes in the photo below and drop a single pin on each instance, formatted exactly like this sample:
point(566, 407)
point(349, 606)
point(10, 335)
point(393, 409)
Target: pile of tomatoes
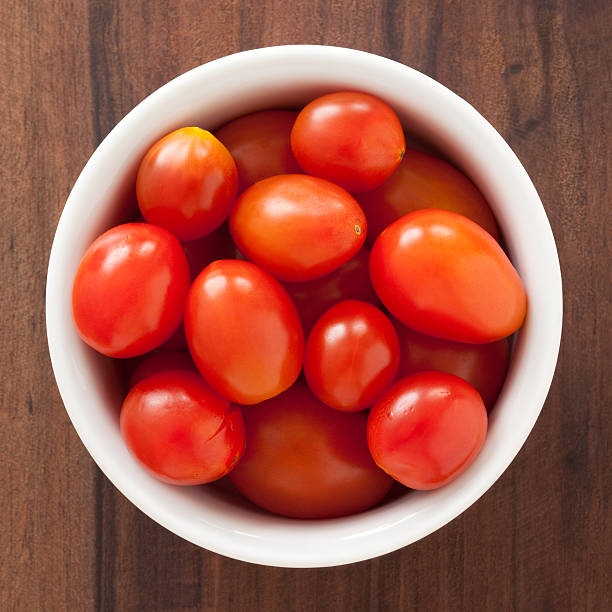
point(310, 308)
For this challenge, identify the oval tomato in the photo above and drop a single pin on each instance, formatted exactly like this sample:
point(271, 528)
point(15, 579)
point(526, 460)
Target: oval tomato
point(351, 356)
point(129, 290)
point(427, 429)
point(187, 183)
point(297, 227)
point(424, 181)
point(351, 281)
point(306, 460)
point(484, 366)
point(260, 145)
point(443, 275)
point(243, 331)
point(353, 139)
point(160, 362)
point(180, 429)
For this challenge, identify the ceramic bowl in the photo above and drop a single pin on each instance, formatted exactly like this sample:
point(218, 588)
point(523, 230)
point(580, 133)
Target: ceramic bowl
point(207, 96)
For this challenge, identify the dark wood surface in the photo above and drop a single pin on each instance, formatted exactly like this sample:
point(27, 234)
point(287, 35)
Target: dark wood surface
point(540, 71)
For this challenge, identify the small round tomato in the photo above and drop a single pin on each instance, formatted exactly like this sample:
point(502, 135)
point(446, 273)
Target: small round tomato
point(427, 429)
point(160, 362)
point(187, 183)
point(351, 356)
point(484, 366)
point(352, 139)
point(260, 145)
point(243, 331)
point(297, 227)
point(180, 429)
point(305, 460)
point(129, 290)
point(214, 246)
point(351, 281)
point(424, 181)
point(443, 275)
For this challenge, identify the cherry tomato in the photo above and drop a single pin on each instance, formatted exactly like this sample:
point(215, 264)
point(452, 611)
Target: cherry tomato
point(187, 183)
point(427, 429)
point(424, 181)
point(351, 356)
point(160, 362)
point(180, 429)
point(260, 145)
point(484, 366)
point(443, 275)
point(351, 281)
point(297, 227)
point(353, 139)
point(129, 290)
point(214, 246)
point(243, 331)
point(306, 460)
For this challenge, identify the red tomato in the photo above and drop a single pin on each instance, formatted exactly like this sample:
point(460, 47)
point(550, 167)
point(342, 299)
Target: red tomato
point(351, 138)
point(129, 290)
point(443, 275)
point(243, 331)
point(180, 429)
point(160, 362)
point(297, 227)
point(351, 356)
point(187, 183)
point(214, 246)
point(423, 181)
point(427, 429)
point(260, 145)
point(350, 281)
point(306, 460)
point(484, 366)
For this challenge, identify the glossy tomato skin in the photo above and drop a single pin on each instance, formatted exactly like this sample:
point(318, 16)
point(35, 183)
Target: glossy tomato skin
point(427, 429)
point(350, 138)
point(160, 361)
point(351, 281)
point(180, 429)
point(187, 183)
point(305, 460)
point(484, 366)
point(260, 145)
point(129, 291)
point(424, 181)
point(243, 331)
point(297, 227)
point(351, 356)
point(443, 275)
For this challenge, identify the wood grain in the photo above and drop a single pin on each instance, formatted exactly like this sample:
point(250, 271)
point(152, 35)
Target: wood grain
point(540, 71)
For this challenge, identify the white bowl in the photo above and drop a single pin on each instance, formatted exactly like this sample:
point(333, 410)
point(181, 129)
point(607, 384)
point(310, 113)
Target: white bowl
point(265, 78)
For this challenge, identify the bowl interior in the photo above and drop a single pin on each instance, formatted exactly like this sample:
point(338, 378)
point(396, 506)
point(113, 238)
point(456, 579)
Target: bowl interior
point(212, 516)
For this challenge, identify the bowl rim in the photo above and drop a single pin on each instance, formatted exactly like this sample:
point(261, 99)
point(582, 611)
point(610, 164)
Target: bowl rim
point(336, 545)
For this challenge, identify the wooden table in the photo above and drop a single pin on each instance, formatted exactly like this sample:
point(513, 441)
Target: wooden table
point(540, 71)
